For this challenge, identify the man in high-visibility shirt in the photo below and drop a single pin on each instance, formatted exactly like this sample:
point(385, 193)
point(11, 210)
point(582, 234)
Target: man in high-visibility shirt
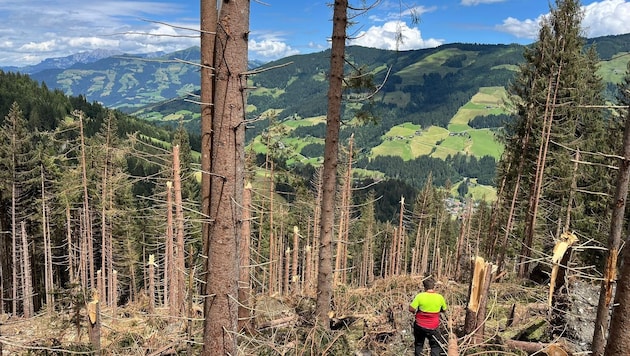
point(427, 307)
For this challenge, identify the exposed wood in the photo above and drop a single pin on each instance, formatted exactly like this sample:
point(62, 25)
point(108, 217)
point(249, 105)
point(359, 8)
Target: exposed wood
point(94, 321)
point(567, 239)
point(478, 290)
point(530, 347)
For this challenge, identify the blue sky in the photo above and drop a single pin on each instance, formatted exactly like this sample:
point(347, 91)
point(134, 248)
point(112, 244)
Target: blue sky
point(32, 30)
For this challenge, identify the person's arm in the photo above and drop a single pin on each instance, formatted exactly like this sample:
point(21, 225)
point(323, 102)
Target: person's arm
point(412, 309)
point(444, 307)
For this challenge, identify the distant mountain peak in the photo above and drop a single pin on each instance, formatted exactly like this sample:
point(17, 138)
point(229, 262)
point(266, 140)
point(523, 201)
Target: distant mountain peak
point(67, 61)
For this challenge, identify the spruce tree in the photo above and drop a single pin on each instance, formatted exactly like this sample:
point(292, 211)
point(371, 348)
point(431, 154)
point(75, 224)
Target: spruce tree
point(552, 93)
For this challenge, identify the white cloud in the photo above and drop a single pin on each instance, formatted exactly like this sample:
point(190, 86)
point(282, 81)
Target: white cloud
point(602, 18)
point(477, 2)
point(384, 37)
point(270, 49)
point(32, 30)
point(527, 29)
point(608, 17)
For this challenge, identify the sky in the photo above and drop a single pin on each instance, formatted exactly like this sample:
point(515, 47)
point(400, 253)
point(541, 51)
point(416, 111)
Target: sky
point(33, 30)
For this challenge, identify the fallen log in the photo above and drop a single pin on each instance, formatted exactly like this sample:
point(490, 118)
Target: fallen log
point(279, 323)
point(531, 347)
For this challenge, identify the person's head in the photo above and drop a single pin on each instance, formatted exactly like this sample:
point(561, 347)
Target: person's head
point(428, 283)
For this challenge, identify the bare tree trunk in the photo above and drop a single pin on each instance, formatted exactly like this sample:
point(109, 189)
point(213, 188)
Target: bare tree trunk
point(48, 266)
point(331, 149)
point(614, 243)
point(244, 288)
point(180, 266)
point(114, 293)
point(14, 246)
point(401, 237)
point(425, 253)
point(94, 322)
point(151, 267)
point(295, 280)
point(620, 321)
point(273, 256)
point(208, 26)
point(530, 227)
point(170, 282)
point(226, 180)
point(86, 206)
point(459, 248)
point(70, 244)
point(27, 278)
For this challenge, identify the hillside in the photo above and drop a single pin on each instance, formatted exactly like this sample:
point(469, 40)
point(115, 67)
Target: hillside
point(434, 104)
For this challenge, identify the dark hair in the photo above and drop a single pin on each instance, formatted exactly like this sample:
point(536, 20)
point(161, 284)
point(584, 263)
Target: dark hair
point(428, 283)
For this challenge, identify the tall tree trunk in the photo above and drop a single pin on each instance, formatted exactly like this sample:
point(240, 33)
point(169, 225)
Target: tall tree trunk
point(614, 243)
point(14, 246)
point(170, 282)
point(530, 227)
point(273, 256)
point(295, 280)
point(620, 321)
point(244, 288)
point(105, 272)
point(27, 277)
point(48, 266)
point(69, 241)
point(86, 206)
point(208, 26)
point(226, 180)
point(180, 266)
point(331, 149)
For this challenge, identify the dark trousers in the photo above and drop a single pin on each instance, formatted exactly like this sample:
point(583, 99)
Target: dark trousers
point(419, 334)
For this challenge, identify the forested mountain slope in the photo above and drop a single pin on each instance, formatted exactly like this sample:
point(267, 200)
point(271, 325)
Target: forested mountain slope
point(437, 107)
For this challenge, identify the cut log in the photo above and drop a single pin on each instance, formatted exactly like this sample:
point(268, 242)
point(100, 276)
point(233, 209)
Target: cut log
point(530, 347)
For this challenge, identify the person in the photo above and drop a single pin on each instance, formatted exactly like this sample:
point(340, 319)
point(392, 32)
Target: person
point(427, 307)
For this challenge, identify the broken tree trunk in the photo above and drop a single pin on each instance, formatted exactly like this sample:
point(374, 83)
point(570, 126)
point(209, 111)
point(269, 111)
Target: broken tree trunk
point(94, 322)
point(476, 309)
point(614, 243)
point(567, 239)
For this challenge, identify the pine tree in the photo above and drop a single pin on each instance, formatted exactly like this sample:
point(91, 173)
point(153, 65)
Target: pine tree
point(556, 82)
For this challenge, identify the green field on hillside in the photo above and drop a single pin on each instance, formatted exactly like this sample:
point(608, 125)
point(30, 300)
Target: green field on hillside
point(611, 71)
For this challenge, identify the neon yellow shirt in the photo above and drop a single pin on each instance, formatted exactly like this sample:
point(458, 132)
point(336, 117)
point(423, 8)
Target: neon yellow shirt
point(428, 306)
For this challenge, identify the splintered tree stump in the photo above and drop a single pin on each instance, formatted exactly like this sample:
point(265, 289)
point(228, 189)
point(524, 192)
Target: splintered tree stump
point(476, 310)
point(94, 322)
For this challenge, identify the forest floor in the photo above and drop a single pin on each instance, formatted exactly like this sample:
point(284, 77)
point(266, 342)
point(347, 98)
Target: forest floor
point(367, 321)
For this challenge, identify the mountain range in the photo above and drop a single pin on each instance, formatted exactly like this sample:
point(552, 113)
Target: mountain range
point(435, 103)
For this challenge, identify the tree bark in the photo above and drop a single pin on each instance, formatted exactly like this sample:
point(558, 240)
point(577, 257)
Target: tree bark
point(27, 278)
point(94, 322)
point(180, 265)
point(226, 180)
point(170, 282)
point(244, 288)
point(208, 25)
point(331, 149)
point(620, 322)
